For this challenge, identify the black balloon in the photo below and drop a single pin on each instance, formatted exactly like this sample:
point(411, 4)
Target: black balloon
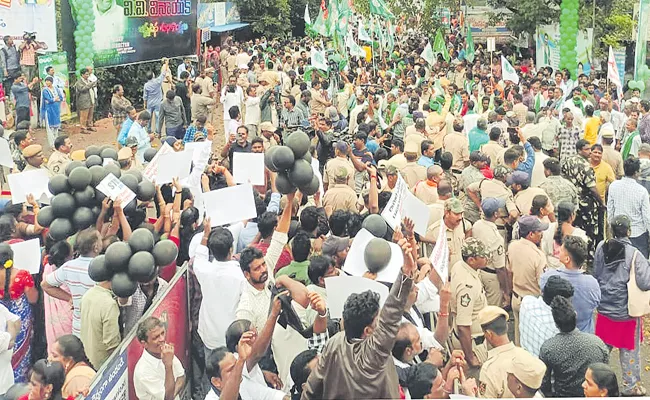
point(61, 228)
point(146, 190)
point(130, 207)
point(149, 154)
point(134, 172)
point(83, 218)
point(117, 256)
point(122, 285)
point(141, 240)
point(109, 152)
point(165, 252)
point(301, 173)
point(92, 150)
point(96, 211)
point(94, 160)
point(72, 165)
point(298, 142)
point(283, 184)
point(131, 181)
point(268, 158)
point(58, 184)
point(80, 178)
point(63, 205)
point(283, 158)
point(98, 174)
point(85, 197)
point(113, 168)
point(312, 187)
point(97, 270)
point(99, 196)
point(307, 157)
point(141, 266)
point(45, 216)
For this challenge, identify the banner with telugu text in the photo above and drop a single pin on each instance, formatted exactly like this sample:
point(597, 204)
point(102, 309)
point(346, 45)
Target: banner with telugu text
point(132, 31)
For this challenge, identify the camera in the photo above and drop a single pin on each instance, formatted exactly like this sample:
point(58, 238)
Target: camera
point(231, 89)
point(29, 36)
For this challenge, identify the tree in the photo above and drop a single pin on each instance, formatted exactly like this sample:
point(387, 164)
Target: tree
point(267, 17)
point(527, 14)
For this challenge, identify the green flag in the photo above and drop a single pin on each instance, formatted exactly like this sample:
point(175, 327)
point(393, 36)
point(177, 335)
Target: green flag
point(355, 49)
point(320, 25)
point(307, 17)
point(428, 55)
point(380, 8)
point(318, 59)
point(363, 34)
point(439, 46)
point(469, 42)
point(332, 17)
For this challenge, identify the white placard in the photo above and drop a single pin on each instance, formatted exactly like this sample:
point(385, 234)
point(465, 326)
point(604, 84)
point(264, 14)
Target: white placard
point(173, 165)
point(114, 189)
point(315, 166)
point(197, 147)
point(27, 255)
point(417, 211)
point(339, 288)
point(231, 204)
point(248, 168)
point(355, 264)
point(151, 169)
point(393, 211)
point(5, 154)
point(23, 183)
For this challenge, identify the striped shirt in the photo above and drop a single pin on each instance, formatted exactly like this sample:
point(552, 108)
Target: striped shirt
point(74, 274)
point(627, 197)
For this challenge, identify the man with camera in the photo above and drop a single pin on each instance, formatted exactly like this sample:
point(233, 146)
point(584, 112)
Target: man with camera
point(28, 55)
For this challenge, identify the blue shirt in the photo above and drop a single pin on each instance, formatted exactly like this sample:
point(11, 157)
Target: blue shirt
point(527, 166)
point(586, 295)
point(425, 161)
point(152, 93)
point(21, 94)
point(144, 143)
point(477, 137)
point(372, 145)
point(124, 131)
point(191, 131)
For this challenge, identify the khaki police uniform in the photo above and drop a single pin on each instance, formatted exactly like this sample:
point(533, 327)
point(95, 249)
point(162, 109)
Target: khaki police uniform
point(492, 150)
point(458, 145)
point(413, 173)
point(58, 161)
point(488, 233)
point(524, 199)
point(341, 197)
point(467, 299)
point(527, 263)
point(332, 168)
point(455, 238)
point(427, 191)
point(497, 189)
point(494, 376)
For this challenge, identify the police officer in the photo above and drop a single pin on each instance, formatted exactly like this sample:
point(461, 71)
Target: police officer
point(467, 300)
point(526, 263)
point(60, 158)
point(458, 229)
point(493, 379)
point(494, 274)
point(525, 375)
point(34, 157)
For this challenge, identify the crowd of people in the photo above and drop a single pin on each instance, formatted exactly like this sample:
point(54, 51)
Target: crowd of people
point(537, 194)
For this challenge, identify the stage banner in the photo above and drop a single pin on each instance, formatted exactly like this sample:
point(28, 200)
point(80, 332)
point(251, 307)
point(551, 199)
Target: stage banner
point(61, 77)
point(114, 381)
point(118, 32)
point(547, 41)
point(216, 14)
point(18, 17)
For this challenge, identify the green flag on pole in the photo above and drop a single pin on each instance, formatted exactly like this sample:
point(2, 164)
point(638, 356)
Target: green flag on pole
point(428, 55)
point(439, 46)
point(318, 60)
point(355, 49)
point(363, 34)
point(320, 25)
point(380, 8)
point(332, 17)
point(469, 42)
point(307, 17)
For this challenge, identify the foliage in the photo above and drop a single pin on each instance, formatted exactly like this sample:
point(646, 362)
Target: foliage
point(267, 17)
point(527, 14)
point(430, 18)
point(614, 24)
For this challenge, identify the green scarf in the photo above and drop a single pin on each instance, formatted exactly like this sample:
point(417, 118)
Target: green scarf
point(628, 144)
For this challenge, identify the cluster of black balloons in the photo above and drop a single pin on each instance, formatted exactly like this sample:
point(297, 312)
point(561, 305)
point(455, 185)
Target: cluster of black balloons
point(292, 162)
point(77, 202)
point(377, 253)
point(137, 260)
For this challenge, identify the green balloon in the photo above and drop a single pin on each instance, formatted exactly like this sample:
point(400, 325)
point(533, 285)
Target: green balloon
point(641, 86)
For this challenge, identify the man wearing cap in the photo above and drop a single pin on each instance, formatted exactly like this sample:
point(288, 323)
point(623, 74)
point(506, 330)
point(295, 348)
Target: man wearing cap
point(610, 155)
point(333, 165)
point(338, 123)
point(493, 379)
point(524, 194)
point(496, 188)
point(341, 196)
point(34, 157)
point(494, 275)
point(525, 264)
point(60, 158)
point(470, 175)
point(467, 300)
point(412, 172)
point(458, 229)
point(458, 145)
point(525, 375)
point(268, 135)
point(427, 190)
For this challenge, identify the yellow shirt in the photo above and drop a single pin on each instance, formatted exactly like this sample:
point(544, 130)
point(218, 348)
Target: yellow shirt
point(591, 130)
point(604, 176)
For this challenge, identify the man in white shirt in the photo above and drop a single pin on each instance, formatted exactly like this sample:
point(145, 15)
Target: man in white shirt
point(9, 328)
point(225, 370)
point(231, 95)
point(158, 375)
point(253, 114)
point(221, 281)
point(139, 132)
